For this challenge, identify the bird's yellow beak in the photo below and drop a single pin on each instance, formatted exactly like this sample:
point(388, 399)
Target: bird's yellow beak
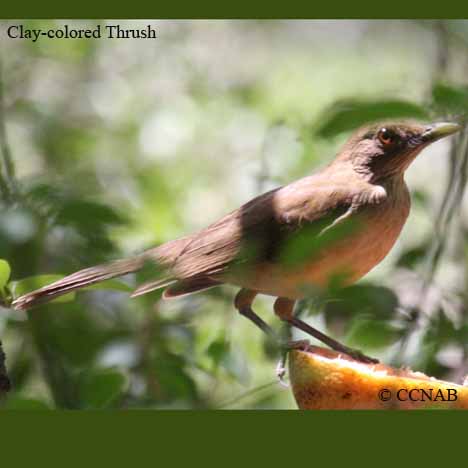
point(440, 130)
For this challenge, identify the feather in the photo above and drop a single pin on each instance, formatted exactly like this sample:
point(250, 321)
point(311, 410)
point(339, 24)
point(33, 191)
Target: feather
point(190, 286)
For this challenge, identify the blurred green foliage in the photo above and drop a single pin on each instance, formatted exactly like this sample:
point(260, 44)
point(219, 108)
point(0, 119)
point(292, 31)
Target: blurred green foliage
point(121, 145)
point(347, 115)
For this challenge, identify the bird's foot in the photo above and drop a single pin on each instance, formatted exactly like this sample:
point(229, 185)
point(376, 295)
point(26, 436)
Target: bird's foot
point(333, 344)
point(298, 344)
point(303, 345)
point(286, 347)
point(281, 371)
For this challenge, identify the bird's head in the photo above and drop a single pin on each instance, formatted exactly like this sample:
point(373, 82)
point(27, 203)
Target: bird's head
point(387, 149)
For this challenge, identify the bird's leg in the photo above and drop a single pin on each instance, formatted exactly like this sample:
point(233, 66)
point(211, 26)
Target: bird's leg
point(243, 303)
point(284, 310)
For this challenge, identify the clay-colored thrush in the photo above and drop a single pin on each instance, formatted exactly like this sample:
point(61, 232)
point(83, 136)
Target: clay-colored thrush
point(337, 223)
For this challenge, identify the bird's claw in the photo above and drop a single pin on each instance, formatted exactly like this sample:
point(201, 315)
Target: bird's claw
point(302, 345)
point(281, 372)
point(286, 347)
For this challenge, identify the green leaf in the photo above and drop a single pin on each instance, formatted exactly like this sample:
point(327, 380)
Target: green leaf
point(26, 285)
point(369, 333)
point(87, 214)
point(450, 98)
point(411, 257)
point(5, 272)
point(349, 114)
point(361, 299)
point(218, 350)
point(313, 239)
point(174, 381)
point(98, 389)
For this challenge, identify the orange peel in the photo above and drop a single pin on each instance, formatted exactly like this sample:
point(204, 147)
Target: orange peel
point(324, 379)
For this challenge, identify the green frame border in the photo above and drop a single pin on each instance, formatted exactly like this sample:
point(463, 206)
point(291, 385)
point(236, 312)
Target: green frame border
point(397, 9)
point(237, 437)
point(168, 438)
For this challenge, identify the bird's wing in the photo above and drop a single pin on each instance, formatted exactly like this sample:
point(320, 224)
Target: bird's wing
point(261, 229)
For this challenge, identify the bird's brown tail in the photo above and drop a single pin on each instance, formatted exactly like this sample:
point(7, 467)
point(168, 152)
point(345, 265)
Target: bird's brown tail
point(78, 280)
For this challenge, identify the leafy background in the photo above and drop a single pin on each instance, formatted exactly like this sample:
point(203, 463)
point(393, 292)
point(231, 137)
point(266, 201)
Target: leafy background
point(112, 146)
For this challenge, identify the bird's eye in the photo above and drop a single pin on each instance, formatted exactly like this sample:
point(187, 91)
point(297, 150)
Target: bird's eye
point(386, 136)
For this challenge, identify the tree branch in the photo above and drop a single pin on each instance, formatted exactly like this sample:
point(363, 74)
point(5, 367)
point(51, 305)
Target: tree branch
point(4, 380)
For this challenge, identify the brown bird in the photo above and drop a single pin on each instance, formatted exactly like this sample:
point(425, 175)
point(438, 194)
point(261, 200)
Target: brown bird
point(334, 225)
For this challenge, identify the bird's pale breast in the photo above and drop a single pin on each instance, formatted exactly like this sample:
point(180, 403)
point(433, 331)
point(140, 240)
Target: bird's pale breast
point(348, 259)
